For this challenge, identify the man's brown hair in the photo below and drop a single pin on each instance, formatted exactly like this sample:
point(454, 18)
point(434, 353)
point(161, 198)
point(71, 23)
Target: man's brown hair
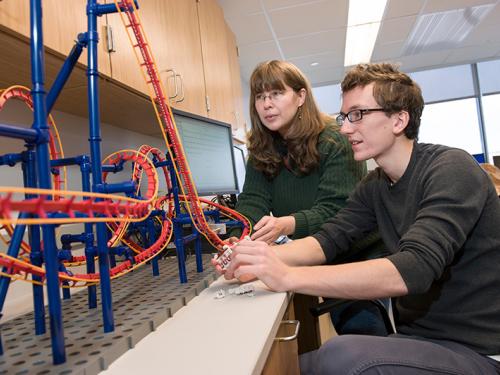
point(393, 90)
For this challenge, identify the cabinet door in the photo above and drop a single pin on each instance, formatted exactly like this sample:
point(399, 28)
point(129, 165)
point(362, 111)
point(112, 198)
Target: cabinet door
point(171, 28)
point(124, 65)
point(62, 22)
point(181, 52)
point(215, 61)
point(15, 15)
point(283, 359)
point(238, 124)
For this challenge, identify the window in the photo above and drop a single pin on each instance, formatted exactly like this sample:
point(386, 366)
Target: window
point(491, 103)
point(453, 123)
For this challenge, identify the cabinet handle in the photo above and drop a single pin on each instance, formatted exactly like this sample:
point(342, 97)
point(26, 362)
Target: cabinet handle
point(110, 41)
point(181, 99)
point(295, 334)
point(207, 102)
point(174, 76)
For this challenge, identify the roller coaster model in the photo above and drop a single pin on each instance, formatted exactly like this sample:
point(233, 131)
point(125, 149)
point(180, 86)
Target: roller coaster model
point(126, 224)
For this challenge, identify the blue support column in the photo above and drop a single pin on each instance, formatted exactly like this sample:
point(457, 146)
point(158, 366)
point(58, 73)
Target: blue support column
point(150, 222)
point(89, 234)
point(197, 250)
point(36, 256)
point(177, 227)
point(95, 155)
point(44, 178)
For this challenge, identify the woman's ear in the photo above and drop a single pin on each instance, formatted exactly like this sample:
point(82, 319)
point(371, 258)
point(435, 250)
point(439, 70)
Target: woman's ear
point(302, 93)
point(402, 119)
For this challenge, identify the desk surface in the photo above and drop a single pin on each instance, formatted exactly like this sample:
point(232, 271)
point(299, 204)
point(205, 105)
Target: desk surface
point(232, 335)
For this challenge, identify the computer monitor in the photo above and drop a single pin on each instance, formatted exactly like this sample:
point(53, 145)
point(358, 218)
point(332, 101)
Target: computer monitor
point(240, 164)
point(208, 145)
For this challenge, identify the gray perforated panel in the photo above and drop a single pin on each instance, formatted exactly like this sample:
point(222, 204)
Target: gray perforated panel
point(141, 302)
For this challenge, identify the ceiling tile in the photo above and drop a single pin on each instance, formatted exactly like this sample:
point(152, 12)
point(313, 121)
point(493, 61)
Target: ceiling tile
point(419, 61)
point(493, 17)
point(395, 29)
point(324, 60)
point(280, 4)
point(314, 31)
point(472, 54)
point(312, 17)
point(483, 34)
point(398, 8)
point(443, 5)
point(250, 28)
point(387, 52)
point(325, 76)
point(252, 54)
point(333, 41)
point(235, 8)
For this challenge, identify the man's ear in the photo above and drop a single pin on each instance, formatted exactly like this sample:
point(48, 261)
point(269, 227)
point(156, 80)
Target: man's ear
point(402, 118)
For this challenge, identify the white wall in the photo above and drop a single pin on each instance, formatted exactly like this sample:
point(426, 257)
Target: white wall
point(328, 98)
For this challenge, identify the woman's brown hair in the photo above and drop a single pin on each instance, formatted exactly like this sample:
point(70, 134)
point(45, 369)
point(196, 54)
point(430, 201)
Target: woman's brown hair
point(302, 135)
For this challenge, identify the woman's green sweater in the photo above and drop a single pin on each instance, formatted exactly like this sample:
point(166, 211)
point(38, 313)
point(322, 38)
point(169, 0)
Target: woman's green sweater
point(310, 199)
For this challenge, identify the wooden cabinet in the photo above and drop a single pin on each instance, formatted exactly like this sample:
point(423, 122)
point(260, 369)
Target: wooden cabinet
point(238, 124)
point(195, 53)
point(62, 22)
point(194, 50)
point(123, 62)
point(283, 357)
point(216, 61)
point(172, 30)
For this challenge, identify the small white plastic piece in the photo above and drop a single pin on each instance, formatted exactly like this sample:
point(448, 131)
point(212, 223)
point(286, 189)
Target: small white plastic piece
point(220, 294)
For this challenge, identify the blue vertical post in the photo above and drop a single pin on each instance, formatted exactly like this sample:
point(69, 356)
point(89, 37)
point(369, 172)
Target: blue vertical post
point(178, 233)
point(95, 155)
point(197, 250)
point(44, 178)
point(36, 256)
point(29, 180)
point(150, 223)
point(89, 234)
point(13, 251)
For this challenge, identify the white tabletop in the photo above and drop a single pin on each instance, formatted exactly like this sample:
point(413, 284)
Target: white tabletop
point(231, 335)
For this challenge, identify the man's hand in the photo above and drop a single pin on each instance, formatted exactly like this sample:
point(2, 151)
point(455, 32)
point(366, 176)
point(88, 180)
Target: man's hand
point(221, 260)
point(259, 259)
point(269, 228)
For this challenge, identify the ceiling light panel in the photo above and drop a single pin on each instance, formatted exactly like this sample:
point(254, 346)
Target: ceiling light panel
point(444, 30)
point(362, 11)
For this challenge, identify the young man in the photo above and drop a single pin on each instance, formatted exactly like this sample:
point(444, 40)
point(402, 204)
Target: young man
point(438, 214)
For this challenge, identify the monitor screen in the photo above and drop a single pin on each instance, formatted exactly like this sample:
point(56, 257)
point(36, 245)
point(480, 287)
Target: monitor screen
point(240, 163)
point(208, 145)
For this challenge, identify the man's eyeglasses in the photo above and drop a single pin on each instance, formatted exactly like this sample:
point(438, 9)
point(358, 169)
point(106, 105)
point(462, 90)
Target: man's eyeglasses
point(274, 96)
point(355, 115)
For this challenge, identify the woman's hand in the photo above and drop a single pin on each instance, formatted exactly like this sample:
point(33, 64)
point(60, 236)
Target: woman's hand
point(269, 228)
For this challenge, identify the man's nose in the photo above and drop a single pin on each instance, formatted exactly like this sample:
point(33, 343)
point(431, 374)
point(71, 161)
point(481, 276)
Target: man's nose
point(347, 127)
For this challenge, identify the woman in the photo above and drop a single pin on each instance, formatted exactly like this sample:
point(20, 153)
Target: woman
point(301, 170)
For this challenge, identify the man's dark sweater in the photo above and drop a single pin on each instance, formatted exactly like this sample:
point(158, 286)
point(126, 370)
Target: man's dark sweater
point(441, 223)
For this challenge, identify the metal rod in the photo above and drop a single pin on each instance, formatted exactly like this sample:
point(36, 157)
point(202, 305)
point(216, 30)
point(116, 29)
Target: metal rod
point(96, 167)
point(44, 179)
